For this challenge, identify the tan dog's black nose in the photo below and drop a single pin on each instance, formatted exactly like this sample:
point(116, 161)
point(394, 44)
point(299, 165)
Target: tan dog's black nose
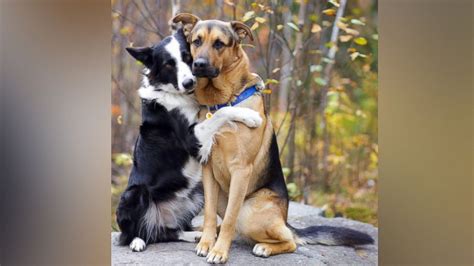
point(201, 63)
point(203, 68)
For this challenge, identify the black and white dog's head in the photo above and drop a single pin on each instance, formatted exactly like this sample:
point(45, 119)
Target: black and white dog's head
point(168, 66)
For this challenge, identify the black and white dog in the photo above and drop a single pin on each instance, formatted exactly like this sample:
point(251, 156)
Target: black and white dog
point(164, 190)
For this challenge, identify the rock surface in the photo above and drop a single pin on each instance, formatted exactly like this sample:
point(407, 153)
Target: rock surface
point(181, 253)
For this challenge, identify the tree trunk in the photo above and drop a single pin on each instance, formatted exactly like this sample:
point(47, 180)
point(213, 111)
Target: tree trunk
point(324, 92)
point(286, 65)
point(297, 62)
point(220, 9)
point(175, 7)
point(310, 151)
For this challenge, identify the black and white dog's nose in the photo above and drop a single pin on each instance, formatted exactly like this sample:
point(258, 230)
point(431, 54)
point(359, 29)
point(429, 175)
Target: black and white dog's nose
point(189, 83)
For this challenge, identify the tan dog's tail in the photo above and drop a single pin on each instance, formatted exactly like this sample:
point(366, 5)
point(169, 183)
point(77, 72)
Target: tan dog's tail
point(331, 236)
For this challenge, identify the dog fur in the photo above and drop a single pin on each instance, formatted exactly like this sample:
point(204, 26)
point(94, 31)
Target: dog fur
point(243, 180)
point(164, 190)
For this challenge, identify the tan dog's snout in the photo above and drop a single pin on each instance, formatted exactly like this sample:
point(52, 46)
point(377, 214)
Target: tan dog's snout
point(213, 43)
point(202, 68)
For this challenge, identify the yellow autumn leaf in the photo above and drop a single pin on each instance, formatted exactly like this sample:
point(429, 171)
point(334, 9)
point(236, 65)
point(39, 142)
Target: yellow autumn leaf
point(345, 38)
point(357, 54)
point(279, 27)
point(360, 41)
point(125, 30)
point(248, 15)
point(357, 22)
point(260, 19)
point(316, 28)
point(351, 50)
point(271, 81)
point(293, 26)
point(329, 12)
point(354, 56)
point(351, 31)
point(341, 25)
point(254, 26)
point(336, 4)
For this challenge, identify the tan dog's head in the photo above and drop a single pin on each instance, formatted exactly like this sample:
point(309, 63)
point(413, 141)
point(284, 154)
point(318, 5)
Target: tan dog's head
point(214, 43)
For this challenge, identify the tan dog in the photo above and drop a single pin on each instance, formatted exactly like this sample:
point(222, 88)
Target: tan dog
point(243, 179)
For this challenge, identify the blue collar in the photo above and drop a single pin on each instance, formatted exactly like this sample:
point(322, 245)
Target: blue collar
point(240, 98)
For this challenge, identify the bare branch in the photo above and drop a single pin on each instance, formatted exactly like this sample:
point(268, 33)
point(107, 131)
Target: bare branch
point(136, 24)
point(127, 97)
point(144, 16)
point(152, 18)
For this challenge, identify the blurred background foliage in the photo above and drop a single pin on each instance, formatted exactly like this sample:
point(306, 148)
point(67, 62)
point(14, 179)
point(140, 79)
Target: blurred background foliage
point(319, 60)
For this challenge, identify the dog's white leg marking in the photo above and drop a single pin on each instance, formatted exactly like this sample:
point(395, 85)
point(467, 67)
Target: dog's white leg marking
point(206, 130)
point(190, 236)
point(137, 244)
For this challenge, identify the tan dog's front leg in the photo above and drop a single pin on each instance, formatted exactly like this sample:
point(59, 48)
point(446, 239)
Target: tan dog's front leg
point(237, 192)
point(211, 192)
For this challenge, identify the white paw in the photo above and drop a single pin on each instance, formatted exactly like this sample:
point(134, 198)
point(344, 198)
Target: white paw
point(261, 251)
point(217, 256)
point(190, 236)
point(248, 116)
point(205, 150)
point(137, 244)
point(201, 252)
point(203, 247)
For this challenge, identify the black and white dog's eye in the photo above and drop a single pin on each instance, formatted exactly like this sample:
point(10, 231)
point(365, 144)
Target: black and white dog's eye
point(218, 44)
point(197, 42)
point(170, 63)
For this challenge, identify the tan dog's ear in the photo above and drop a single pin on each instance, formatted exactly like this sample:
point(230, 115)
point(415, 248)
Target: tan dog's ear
point(242, 30)
point(188, 21)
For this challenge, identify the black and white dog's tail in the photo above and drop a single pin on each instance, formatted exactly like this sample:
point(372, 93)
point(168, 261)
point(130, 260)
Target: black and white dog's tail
point(132, 206)
point(331, 236)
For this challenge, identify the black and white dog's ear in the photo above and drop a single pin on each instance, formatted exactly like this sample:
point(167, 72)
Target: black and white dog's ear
point(142, 54)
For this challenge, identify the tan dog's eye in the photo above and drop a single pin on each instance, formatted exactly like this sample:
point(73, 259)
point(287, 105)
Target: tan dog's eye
point(218, 44)
point(197, 42)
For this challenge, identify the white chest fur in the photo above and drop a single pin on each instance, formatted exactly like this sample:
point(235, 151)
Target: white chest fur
point(170, 98)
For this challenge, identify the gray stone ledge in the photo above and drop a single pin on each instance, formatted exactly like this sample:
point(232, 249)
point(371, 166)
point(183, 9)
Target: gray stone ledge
point(181, 253)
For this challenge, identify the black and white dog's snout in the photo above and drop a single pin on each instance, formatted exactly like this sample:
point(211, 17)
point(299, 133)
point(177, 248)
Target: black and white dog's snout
point(189, 84)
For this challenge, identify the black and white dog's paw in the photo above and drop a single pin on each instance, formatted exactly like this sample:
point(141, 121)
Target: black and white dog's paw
point(137, 244)
point(244, 115)
point(190, 236)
